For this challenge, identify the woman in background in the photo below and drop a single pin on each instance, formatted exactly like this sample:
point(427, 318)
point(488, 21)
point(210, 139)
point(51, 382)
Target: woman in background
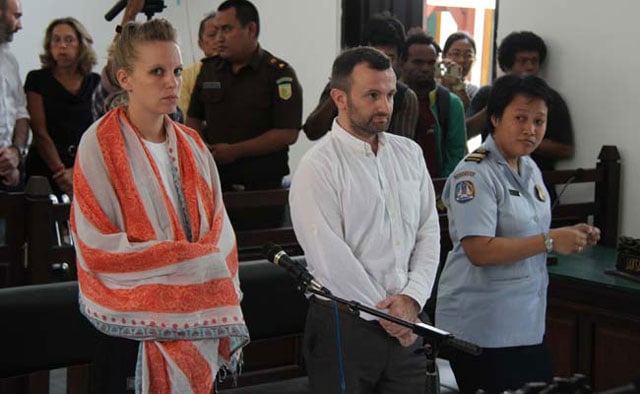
point(460, 50)
point(59, 101)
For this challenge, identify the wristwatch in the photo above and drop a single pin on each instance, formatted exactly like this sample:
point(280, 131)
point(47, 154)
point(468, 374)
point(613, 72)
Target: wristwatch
point(548, 242)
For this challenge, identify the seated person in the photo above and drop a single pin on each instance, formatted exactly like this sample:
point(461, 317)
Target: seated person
point(59, 101)
point(385, 33)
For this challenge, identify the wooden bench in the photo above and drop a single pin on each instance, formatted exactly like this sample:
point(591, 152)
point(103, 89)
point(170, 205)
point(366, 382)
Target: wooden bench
point(12, 241)
point(275, 351)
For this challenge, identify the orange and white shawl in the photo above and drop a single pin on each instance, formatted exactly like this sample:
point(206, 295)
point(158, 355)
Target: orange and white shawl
point(139, 276)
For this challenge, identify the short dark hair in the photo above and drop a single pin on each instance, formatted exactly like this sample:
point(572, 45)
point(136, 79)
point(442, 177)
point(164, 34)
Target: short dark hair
point(345, 63)
point(384, 29)
point(204, 20)
point(246, 12)
point(461, 35)
point(506, 88)
point(3, 5)
point(519, 41)
point(420, 38)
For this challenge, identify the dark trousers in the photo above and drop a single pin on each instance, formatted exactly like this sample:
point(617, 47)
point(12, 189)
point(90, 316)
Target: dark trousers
point(373, 361)
point(500, 369)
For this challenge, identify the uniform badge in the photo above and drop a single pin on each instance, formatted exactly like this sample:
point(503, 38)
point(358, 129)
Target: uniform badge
point(540, 193)
point(465, 191)
point(285, 91)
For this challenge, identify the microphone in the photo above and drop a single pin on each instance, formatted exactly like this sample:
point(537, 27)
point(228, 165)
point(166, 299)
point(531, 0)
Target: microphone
point(275, 254)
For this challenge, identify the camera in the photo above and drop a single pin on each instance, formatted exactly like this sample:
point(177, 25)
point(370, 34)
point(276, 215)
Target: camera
point(150, 8)
point(449, 72)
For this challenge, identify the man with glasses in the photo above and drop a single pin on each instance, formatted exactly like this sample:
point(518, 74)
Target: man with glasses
point(522, 53)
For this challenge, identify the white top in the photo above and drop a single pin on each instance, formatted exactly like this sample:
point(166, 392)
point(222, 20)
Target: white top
point(162, 159)
point(13, 101)
point(367, 223)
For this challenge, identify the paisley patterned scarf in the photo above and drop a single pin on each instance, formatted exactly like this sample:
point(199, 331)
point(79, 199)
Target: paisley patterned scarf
point(139, 276)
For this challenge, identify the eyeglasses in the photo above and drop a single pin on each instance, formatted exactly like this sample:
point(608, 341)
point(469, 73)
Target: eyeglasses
point(67, 40)
point(465, 55)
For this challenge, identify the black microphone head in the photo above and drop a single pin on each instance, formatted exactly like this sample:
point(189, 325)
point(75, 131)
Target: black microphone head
point(270, 249)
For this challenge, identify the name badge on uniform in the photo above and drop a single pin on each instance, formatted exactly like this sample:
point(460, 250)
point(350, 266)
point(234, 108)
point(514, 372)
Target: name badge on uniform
point(212, 85)
point(540, 193)
point(465, 191)
point(514, 192)
point(285, 91)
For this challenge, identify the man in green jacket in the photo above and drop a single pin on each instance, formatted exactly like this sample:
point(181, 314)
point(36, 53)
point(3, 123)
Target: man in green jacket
point(441, 129)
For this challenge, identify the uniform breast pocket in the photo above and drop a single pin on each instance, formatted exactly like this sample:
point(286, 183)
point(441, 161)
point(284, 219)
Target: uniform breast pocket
point(409, 196)
point(212, 95)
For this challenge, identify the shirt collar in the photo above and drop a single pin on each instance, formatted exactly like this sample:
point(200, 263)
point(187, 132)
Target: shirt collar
point(357, 145)
point(254, 62)
point(496, 155)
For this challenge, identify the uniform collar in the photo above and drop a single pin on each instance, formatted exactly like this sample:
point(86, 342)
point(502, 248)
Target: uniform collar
point(254, 62)
point(496, 155)
point(356, 145)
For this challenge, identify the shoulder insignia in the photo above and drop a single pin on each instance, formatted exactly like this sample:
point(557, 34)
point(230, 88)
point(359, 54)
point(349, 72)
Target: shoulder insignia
point(465, 191)
point(278, 63)
point(477, 155)
point(285, 91)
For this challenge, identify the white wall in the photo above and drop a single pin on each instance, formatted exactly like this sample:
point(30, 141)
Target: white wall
point(305, 33)
point(593, 62)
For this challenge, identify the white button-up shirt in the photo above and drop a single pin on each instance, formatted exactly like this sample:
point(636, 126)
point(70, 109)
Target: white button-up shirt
point(13, 101)
point(367, 222)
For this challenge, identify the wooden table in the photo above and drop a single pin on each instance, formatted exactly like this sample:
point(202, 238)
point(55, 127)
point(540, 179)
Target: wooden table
point(593, 319)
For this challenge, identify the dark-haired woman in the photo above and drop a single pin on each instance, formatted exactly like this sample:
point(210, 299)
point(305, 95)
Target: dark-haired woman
point(460, 51)
point(493, 287)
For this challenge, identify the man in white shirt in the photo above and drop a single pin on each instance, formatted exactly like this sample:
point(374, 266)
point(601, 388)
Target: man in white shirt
point(363, 209)
point(14, 118)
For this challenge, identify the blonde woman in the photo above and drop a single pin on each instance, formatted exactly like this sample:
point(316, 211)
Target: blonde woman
point(157, 258)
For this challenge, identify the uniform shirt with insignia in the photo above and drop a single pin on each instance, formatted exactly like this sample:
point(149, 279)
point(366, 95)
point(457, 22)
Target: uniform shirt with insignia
point(261, 96)
point(494, 306)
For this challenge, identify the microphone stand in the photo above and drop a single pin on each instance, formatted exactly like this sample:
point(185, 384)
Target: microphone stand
point(434, 337)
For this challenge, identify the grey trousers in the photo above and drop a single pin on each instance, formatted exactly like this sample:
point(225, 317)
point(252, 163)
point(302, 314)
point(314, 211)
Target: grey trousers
point(373, 361)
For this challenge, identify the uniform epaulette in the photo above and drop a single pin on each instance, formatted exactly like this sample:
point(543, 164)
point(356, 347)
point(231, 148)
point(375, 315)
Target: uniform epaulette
point(277, 63)
point(477, 155)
